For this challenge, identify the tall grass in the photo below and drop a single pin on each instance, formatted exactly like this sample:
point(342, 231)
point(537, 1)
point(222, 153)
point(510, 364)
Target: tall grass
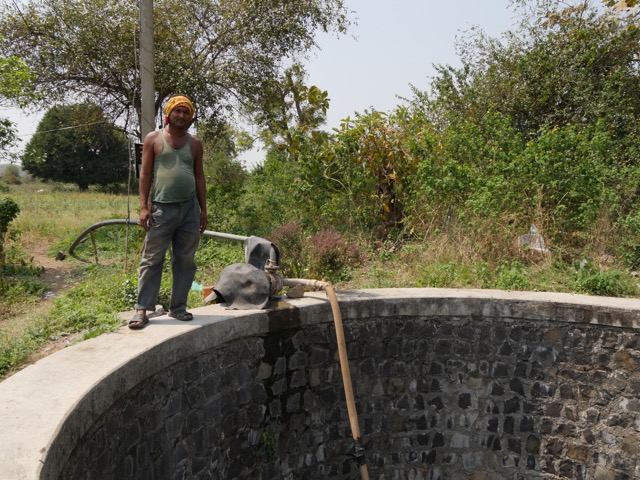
point(55, 216)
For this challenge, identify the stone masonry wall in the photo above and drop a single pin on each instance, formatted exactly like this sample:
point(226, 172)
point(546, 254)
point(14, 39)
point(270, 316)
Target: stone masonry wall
point(463, 397)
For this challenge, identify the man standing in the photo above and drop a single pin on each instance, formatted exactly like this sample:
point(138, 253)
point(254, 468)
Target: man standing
point(173, 210)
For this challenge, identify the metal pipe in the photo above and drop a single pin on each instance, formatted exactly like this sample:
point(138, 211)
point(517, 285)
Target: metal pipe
point(124, 221)
point(226, 236)
point(95, 226)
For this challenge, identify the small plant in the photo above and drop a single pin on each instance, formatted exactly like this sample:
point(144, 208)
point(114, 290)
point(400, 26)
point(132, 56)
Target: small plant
point(483, 273)
point(129, 294)
point(511, 276)
point(440, 275)
point(269, 445)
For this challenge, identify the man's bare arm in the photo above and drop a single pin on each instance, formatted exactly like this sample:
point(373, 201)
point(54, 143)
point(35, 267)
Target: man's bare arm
point(201, 188)
point(146, 175)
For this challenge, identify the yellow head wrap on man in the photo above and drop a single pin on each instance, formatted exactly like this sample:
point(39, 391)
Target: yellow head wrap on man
point(178, 101)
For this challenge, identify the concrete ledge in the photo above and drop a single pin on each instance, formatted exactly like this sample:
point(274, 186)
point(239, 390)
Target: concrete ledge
point(46, 408)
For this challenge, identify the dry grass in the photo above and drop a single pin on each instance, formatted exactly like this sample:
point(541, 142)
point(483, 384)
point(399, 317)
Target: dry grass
point(54, 216)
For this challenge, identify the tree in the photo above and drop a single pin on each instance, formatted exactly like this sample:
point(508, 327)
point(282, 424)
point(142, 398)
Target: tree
point(77, 144)
point(15, 87)
point(8, 137)
point(224, 54)
point(292, 113)
point(380, 145)
point(566, 64)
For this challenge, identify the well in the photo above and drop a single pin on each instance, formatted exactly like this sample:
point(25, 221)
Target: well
point(449, 384)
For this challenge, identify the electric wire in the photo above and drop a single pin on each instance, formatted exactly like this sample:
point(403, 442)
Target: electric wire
point(62, 128)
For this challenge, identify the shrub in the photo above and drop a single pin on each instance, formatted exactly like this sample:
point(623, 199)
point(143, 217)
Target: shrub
point(610, 283)
point(290, 240)
point(331, 256)
point(441, 275)
point(8, 211)
point(11, 175)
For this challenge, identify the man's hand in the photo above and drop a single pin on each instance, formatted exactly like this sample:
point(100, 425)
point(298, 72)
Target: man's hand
point(203, 221)
point(146, 220)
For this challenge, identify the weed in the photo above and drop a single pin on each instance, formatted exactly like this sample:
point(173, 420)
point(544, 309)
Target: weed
point(439, 276)
point(511, 276)
point(269, 445)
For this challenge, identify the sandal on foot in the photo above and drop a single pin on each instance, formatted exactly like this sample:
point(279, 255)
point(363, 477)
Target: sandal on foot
point(181, 315)
point(138, 321)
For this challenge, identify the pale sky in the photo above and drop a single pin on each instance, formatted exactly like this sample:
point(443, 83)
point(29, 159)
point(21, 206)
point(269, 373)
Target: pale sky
point(396, 44)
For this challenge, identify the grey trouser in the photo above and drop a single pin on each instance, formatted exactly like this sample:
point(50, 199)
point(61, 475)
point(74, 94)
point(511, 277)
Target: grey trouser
point(178, 225)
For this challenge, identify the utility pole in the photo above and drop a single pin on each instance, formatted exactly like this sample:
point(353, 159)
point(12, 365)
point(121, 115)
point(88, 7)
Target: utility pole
point(146, 68)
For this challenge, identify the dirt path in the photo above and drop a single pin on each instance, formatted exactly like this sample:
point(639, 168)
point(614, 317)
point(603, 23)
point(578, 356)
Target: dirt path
point(59, 276)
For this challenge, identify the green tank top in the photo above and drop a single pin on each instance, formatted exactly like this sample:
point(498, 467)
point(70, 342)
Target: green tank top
point(173, 177)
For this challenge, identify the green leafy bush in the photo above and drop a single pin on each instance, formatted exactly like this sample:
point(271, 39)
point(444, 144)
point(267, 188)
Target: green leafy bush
point(511, 276)
point(8, 211)
point(610, 283)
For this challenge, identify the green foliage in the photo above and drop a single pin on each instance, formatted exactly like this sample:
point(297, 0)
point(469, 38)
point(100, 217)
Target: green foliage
point(292, 113)
point(16, 81)
point(270, 445)
point(8, 137)
point(227, 53)
point(611, 283)
point(225, 186)
point(380, 146)
point(511, 276)
point(629, 245)
point(9, 210)
point(271, 196)
point(77, 144)
point(443, 275)
point(213, 255)
point(15, 351)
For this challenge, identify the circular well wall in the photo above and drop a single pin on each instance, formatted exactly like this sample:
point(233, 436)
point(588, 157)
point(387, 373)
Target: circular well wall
point(448, 383)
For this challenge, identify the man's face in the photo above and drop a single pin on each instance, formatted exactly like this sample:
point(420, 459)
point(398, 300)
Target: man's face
point(180, 117)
